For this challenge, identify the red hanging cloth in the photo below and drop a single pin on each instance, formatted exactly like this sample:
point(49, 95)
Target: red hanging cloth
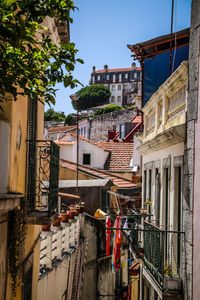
point(108, 233)
point(118, 241)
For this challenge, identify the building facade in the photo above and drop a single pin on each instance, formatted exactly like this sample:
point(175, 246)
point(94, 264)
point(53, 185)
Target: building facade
point(22, 210)
point(162, 149)
point(123, 83)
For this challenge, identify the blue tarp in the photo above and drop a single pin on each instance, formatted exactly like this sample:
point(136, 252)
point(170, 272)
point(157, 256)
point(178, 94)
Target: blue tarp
point(156, 70)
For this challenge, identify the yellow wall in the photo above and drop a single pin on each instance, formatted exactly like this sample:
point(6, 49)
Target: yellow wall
point(126, 175)
point(16, 114)
point(68, 174)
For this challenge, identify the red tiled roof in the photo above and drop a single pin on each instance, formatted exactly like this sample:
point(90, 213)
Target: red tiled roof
point(136, 119)
point(117, 180)
point(62, 128)
point(120, 155)
point(118, 70)
point(63, 139)
point(129, 136)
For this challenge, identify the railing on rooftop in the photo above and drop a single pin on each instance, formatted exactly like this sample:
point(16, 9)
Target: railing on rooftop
point(43, 173)
point(162, 252)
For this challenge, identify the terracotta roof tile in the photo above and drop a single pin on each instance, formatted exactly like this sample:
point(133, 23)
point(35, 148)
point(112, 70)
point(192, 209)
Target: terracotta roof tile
point(61, 128)
point(119, 181)
point(119, 157)
point(118, 70)
point(136, 119)
point(64, 138)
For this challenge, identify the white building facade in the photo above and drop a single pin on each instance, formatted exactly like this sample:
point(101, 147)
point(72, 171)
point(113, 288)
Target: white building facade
point(124, 84)
point(162, 151)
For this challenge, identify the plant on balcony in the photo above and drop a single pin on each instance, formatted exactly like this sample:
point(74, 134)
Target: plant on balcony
point(56, 223)
point(45, 227)
point(168, 270)
point(147, 202)
point(144, 210)
point(82, 205)
point(16, 239)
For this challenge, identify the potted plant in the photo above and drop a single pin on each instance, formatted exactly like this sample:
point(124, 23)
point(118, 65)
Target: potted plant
point(56, 223)
point(73, 210)
point(82, 205)
point(171, 281)
point(45, 227)
point(64, 217)
point(144, 210)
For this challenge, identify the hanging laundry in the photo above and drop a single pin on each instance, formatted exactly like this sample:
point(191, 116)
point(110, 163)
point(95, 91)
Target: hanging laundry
point(126, 227)
point(108, 233)
point(118, 241)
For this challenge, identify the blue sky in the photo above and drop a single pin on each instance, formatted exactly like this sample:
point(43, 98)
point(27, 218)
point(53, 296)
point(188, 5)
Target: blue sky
point(102, 29)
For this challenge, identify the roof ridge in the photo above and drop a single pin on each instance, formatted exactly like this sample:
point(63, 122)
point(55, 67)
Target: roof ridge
point(96, 170)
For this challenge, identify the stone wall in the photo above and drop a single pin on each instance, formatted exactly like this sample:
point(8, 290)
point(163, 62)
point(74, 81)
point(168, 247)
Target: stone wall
point(100, 125)
point(191, 284)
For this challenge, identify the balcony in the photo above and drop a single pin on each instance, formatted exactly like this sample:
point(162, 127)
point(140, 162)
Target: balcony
point(42, 181)
point(162, 256)
point(165, 113)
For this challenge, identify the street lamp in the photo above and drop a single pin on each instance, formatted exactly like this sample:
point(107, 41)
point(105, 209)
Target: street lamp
point(75, 98)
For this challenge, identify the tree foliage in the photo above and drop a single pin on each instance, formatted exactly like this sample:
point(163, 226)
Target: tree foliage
point(108, 109)
point(52, 115)
point(30, 62)
point(91, 96)
point(70, 120)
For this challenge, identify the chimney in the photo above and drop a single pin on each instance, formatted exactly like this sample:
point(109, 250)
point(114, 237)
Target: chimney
point(106, 68)
point(133, 65)
point(93, 69)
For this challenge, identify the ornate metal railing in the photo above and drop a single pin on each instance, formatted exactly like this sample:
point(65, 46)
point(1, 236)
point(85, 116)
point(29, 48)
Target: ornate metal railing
point(163, 250)
point(43, 173)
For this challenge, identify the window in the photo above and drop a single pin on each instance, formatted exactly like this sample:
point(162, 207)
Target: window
point(133, 85)
point(126, 75)
point(119, 87)
point(150, 173)
point(113, 99)
point(122, 130)
point(145, 185)
point(177, 215)
point(113, 88)
point(81, 131)
point(93, 79)
point(86, 159)
point(166, 207)
point(113, 77)
point(120, 77)
point(125, 86)
point(108, 77)
point(119, 98)
point(135, 75)
point(84, 133)
point(157, 197)
point(98, 77)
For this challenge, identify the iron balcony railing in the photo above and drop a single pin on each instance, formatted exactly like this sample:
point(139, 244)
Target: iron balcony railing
point(163, 251)
point(43, 176)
